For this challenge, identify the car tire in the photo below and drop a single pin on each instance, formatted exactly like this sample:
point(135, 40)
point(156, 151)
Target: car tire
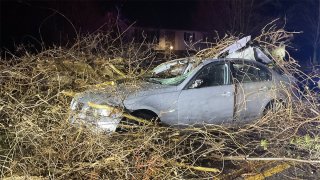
point(274, 106)
point(150, 116)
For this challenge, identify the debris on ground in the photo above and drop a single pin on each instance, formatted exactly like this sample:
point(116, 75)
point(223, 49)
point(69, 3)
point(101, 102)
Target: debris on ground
point(38, 141)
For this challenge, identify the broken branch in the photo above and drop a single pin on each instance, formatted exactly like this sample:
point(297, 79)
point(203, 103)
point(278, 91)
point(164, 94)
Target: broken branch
point(245, 158)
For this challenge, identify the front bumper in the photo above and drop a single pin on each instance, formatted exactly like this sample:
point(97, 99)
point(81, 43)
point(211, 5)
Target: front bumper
point(100, 121)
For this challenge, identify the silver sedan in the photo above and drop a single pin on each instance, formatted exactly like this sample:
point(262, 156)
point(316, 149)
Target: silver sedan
point(216, 91)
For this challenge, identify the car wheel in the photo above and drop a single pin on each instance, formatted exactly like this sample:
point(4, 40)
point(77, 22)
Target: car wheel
point(274, 106)
point(146, 115)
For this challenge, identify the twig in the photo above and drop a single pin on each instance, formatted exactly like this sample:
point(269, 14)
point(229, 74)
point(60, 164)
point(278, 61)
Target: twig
point(245, 158)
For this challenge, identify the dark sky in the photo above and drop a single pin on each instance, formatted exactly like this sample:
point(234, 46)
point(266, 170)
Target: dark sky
point(54, 21)
point(162, 14)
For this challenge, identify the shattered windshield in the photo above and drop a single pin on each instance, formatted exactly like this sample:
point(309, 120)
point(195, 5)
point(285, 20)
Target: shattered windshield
point(172, 72)
point(172, 81)
point(169, 70)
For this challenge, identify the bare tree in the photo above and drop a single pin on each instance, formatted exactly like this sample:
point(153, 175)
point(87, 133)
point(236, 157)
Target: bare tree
point(315, 25)
point(310, 19)
point(234, 16)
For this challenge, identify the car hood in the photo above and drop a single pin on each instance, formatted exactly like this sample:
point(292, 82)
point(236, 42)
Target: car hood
point(115, 95)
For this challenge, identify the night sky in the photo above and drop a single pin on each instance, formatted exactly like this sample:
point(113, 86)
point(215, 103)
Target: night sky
point(49, 22)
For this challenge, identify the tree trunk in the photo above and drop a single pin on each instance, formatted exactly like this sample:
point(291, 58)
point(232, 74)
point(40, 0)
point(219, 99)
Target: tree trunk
point(315, 60)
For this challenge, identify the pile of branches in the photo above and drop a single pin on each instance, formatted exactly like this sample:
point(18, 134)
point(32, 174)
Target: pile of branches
point(271, 38)
point(37, 141)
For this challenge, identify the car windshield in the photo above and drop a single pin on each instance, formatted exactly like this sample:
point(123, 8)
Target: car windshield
point(171, 81)
point(171, 73)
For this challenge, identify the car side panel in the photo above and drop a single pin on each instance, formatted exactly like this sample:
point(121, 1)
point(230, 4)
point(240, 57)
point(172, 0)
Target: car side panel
point(206, 105)
point(251, 99)
point(163, 104)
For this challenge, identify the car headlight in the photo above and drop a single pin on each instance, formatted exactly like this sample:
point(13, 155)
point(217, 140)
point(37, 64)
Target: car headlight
point(73, 104)
point(113, 113)
point(76, 106)
point(106, 119)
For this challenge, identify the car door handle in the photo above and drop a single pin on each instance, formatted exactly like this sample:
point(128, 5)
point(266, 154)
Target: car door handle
point(226, 94)
point(264, 88)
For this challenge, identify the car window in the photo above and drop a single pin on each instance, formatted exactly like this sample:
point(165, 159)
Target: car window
point(278, 70)
point(264, 73)
point(213, 75)
point(249, 72)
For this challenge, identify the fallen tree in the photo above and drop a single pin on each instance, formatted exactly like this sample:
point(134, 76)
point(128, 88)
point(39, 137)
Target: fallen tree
point(38, 141)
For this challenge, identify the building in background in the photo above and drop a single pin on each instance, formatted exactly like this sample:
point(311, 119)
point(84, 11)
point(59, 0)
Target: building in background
point(172, 39)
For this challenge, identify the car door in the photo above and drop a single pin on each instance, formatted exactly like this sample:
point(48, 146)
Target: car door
point(208, 97)
point(253, 89)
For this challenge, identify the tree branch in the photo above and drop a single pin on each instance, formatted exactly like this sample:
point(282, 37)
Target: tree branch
point(245, 158)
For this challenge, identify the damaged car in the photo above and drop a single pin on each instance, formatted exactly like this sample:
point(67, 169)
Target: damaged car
point(215, 92)
point(191, 92)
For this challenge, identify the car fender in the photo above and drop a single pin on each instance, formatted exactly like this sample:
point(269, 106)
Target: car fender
point(163, 104)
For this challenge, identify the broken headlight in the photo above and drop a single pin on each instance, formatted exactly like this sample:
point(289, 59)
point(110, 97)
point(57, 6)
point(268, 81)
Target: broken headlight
point(106, 119)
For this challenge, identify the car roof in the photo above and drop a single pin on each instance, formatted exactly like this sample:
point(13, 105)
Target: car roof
point(207, 61)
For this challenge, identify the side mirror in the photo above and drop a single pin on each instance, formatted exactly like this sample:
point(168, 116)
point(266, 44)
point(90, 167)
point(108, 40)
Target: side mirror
point(197, 83)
